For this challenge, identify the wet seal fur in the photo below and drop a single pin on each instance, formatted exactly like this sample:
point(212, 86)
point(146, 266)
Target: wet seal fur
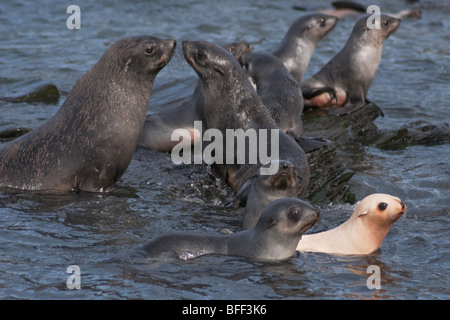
point(278, 90)
point(351, 72)
point(300, 41)
point(258, 192)
point(363, 232)
point(274, 237)
point(88, 144)
point(231, 102)
point(158, 127)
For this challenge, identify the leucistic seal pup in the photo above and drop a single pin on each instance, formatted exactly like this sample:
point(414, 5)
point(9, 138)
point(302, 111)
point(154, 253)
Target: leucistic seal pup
point(363, 232)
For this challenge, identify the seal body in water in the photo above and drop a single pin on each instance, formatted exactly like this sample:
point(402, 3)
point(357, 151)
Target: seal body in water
point(88, 144)
point(259, 191)
point(278, 90)
point(363, 232)
point(231, 103)
point(158, 127)
point(300, 41)
point(351, 72)
point(274, 237)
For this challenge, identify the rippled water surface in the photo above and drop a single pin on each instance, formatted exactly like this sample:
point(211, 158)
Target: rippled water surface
point(42, 234)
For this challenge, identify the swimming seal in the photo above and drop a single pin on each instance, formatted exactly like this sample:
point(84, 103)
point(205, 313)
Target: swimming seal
point(351, 72)
point(278, 90)
point(363, 232)
point(300, 41)
point(231, 102)
point(88, 144)
point(158, 127)
point(258, 192)
point(274, 237)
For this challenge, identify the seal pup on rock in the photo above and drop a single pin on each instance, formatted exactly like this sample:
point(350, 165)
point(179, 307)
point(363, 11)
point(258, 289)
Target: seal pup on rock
point(300, 41)
point(351, 72)
point(158, 127)
point(363, 232)
point(278, 90)
point(274, 237)
point(231, 102)
point(88, 144)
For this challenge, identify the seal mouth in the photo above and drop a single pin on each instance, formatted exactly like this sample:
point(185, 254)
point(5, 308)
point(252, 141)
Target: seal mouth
point(399, 214)
point(284, 178)
point(309, 221)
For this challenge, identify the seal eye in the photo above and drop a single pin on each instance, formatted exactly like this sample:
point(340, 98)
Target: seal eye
point(150, 50)
point(322, 22)
point(200, 55)
point(386, 22)
point(382, 206)
point(294, 214)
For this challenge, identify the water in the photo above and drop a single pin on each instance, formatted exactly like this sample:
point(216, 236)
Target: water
point(42, 234)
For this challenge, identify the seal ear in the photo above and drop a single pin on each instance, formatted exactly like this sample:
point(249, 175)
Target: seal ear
point(363, 213)
point(271, 223)
point(127, 63)
point(219, 70)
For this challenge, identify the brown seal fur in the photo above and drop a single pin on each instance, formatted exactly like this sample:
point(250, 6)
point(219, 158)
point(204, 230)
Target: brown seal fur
point(88, 144)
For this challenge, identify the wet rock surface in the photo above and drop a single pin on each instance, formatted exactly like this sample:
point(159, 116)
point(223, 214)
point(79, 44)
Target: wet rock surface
point(35, 93)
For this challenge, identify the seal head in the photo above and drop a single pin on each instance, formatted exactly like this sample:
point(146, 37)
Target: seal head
point(363, 232)
point(298, 45)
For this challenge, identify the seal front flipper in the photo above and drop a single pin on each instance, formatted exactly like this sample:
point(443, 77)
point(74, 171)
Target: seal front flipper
point(309, 93)
point(241, 197)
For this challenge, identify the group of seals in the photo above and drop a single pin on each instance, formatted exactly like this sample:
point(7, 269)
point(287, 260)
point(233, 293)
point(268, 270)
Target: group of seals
point(158, 127)
point(239, 108)
point(294, 51)
point(79, 148)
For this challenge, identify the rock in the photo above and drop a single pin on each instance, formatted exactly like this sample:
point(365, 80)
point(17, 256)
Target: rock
point(329, 176)
point(13, 133)
point(415, 133)
point(36, 92)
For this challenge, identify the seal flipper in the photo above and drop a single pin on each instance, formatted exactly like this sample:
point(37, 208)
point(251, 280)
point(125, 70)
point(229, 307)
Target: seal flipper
point(240, 199)
point(309, 93)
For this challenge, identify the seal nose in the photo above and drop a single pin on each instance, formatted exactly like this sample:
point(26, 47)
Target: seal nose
point(403, 205)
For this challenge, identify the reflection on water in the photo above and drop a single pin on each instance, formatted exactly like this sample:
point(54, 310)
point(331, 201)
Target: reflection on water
point(42, 234)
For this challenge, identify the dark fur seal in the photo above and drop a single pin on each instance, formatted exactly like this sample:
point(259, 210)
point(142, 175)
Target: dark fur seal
point(231, 102)
point(278, 90)
point(298, 45)
point(79, 148)
point(258, 192)
point(274, 237)
point(351, 72)
point(158, 127)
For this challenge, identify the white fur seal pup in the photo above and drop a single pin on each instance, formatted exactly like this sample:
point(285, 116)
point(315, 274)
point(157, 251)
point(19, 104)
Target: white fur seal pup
point(274, 237)
point(363, 232)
